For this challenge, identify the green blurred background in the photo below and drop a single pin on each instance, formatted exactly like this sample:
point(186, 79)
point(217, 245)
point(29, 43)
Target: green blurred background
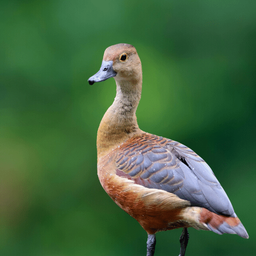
point(199, 88)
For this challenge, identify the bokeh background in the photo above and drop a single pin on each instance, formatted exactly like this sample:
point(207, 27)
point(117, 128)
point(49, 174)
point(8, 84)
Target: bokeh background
point(199, 61)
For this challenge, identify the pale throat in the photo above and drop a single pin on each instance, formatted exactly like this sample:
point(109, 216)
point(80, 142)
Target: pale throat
point(120, 122)
point(121, 115)
point(127, 97)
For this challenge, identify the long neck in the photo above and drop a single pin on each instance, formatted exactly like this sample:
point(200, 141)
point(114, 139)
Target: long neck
point(120, 122)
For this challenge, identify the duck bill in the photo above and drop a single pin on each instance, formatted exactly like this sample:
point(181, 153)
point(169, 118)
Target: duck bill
point(106, 71)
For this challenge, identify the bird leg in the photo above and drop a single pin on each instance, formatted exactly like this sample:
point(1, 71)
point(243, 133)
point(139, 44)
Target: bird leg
point(151, 243)
point(183, 241)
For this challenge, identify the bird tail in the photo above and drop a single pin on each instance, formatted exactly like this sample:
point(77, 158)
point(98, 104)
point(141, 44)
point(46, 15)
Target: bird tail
point(221, 224)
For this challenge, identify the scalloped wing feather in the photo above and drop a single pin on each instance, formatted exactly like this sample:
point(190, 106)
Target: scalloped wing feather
point(157, 162)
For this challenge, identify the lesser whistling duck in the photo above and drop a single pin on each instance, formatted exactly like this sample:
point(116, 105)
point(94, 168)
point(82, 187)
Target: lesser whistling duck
point(160, 182)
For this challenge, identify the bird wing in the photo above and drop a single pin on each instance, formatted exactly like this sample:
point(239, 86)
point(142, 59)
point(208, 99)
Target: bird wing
point(157, 162)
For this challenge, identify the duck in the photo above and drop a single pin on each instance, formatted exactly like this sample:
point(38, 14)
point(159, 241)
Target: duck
point(160, 182)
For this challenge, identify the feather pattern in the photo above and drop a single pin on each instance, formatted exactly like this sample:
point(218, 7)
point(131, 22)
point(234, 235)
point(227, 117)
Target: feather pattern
point(160, 163)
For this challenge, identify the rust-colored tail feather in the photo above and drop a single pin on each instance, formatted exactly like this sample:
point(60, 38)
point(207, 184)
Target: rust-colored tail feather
point(222, 224)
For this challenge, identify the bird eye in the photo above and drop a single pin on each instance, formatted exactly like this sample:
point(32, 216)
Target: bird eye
point(123, 57)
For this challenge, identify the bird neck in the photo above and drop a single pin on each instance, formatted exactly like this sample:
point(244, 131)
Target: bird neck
point(119, 122)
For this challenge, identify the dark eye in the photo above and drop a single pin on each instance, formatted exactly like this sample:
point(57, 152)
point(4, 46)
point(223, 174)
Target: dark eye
point(123, 57)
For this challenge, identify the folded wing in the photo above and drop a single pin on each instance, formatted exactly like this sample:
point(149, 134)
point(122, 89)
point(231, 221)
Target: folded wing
point(156, 162)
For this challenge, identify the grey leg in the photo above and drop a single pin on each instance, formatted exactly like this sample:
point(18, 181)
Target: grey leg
point(183, 241)
point(151, 242)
